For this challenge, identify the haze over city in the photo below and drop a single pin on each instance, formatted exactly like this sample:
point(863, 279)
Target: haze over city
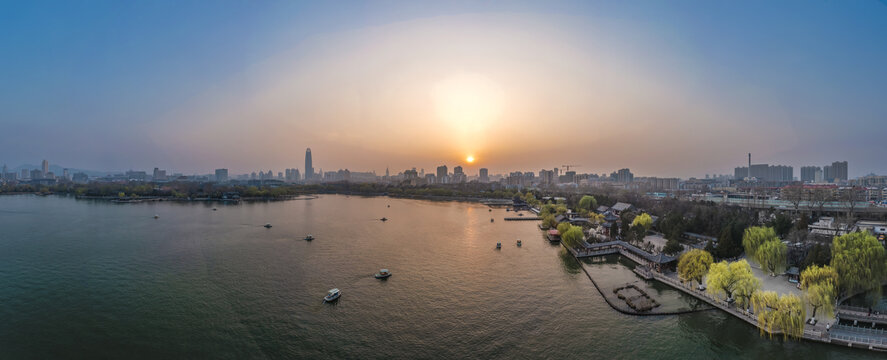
point(666, 88)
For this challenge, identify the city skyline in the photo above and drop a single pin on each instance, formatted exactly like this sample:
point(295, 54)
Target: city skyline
point(677, 90)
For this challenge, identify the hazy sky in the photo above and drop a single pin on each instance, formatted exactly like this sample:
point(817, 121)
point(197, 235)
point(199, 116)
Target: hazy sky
point(665, 88)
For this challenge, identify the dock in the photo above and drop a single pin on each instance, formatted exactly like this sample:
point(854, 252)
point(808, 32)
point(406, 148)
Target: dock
point(523, 218)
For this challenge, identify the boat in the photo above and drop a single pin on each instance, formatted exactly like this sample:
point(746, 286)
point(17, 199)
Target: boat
point(384, 219)
point(389, 205)
point(214, 209)
point(383, 274)
point(332, 295)
point(518, 243)
point(498, 245)
point(309, 237)
point(491, 219)
point(156, 216)
point(490, 210)
point(267, 226)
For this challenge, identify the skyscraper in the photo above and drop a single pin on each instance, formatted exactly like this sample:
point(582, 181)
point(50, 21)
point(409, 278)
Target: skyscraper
point(484, 175)
point(839, 170)
point(309, 167)
point(442, 174)
point(45, 167)
point(221, 175)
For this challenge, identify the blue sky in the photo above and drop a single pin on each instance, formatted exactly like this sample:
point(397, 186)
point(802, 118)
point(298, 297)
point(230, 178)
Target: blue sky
point(103, 85)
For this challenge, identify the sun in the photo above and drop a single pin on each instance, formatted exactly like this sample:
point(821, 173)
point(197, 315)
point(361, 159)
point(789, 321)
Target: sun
point(469, 159)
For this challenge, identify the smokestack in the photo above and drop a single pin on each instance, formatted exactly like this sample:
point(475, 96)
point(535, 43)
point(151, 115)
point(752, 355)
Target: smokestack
point(749, 165)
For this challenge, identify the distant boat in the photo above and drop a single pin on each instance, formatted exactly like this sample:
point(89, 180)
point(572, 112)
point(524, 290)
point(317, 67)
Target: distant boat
point(156, 216)
point(389, 205)
point(267, 226)
point(498, 245)
point(491, 219)
point(332, 295)
point(490, 210)
point(214, 209)
point(518, 243)
point(383, 274)
point(384, 219)
point(309, 237)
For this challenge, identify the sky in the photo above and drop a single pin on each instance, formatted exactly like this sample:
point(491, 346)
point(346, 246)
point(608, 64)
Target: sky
point(677, 88)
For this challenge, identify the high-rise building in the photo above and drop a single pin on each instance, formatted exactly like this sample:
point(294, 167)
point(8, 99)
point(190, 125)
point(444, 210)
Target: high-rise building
point(222, 175)
point(25, 174)
point(808, 173)
point(159, 175)
point(839, 170)
point(45, 167)
point(484, 175)
point(624, 176)
point(309, 167)
point(442, 174)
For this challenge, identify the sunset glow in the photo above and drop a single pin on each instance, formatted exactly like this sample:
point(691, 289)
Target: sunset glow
point(469, 159)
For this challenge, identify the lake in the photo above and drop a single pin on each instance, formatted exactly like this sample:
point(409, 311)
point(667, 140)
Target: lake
point(93, 279)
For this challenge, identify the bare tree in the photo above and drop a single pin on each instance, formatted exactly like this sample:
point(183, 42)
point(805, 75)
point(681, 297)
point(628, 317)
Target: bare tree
point(850, 196)
point(793, 194)
point(819, 197)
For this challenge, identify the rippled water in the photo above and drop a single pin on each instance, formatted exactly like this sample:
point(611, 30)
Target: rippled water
point(89, 279)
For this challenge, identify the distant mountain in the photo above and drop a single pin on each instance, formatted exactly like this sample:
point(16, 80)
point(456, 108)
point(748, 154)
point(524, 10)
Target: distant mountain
point(58, 170)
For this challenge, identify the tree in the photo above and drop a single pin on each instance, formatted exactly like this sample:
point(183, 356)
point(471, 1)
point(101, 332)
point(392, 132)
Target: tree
point(588, 202)
point(548, 221)
point(643, 220)
point(850, 196)
point(781, 224)
point(794, 194)
point(860, 261)
point(785, 313)
point(725, 278)
point(694, 264)
point(672, 247)
point(573, 237)
point(547, 209)
point(820, 285)
point(820, 197)
point(756, 236)
point(818, 255)
point(745, 288)
point(563, 227)
point(771, 256)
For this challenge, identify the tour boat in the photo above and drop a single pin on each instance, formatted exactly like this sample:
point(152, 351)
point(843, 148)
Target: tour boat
point(332, 295)
point(518, 243)
point(382, 274)
point(498, 245)
point(309, 237)
point(267, 226)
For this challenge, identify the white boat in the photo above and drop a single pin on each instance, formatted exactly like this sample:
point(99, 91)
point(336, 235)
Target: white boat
point(382, 274)
point(267, 226)
point(332, 295)
point(309, 237)
point(498, 245)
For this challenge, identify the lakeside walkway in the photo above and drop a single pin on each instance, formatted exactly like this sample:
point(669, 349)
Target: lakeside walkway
point(852, 336)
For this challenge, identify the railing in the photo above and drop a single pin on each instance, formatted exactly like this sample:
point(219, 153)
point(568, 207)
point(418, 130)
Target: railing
point(860, 314)
point(861, 330)
point(859, 339)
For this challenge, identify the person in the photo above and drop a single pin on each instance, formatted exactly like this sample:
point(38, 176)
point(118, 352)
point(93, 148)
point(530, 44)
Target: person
point(828, 327)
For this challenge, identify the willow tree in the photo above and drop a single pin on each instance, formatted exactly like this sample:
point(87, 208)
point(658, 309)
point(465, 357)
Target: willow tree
point(588, 202)
point(726, 278)
point(820, 285)
point(643, 220)
point(563, 227)
point(861, 263)
point(573, 237)
point(784, 313)
point(771, 255)
point(745, 288)
point(756, 236)
point(694, 264)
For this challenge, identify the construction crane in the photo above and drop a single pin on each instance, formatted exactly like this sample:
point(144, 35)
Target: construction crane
point(569, 166)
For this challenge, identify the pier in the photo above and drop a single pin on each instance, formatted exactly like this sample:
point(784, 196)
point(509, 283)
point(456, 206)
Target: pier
point(523, 218)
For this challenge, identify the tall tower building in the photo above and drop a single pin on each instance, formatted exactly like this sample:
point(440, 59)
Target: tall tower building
point(309, 167)
point(45, 167)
